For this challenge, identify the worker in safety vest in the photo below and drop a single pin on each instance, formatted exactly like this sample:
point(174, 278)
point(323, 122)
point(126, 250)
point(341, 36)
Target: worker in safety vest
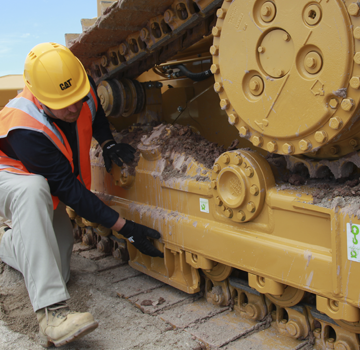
point(45, 136)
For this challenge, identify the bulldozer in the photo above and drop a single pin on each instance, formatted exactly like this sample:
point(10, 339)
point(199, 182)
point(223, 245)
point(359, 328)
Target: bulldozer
point(245, 117)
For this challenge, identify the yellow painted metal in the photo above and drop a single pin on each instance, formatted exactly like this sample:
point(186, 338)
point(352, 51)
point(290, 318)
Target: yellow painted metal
point(265, 285)
point(10, 86)
point(291, 242)
point(337, 310)
point(284, 80)
point(282, 87)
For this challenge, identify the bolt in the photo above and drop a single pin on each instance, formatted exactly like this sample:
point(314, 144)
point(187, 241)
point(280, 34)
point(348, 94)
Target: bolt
point(216, 297)
point(220, 13)
point(320, 136)
point(225, 158)
point(293, 329)
point(123, 49)
point(353, 143)
point(317, 333)
point(241, 215)
point(244, 131)
point(310, 62)
point(272, 146)
point(217, 168)
point(251, 311)
point(249, 172)
point(357, 58)
point(330, 343)
point(104, 61)
point(102, 99)
point(233, 119)
point(265, 10)
point(347, 104)
point(254, 85)
point(237, 160)
point(214, 50)
point(144, 34)
point(333, 103)
point(213, 184)
point(334, 150)
point(355, 82)
point(180, 109)
point(218, 87)
point(218, 201)
point(261, 49)
point(353, 9)
point(216, 31)
point(283, 321)
point(214, 68)
point(356, 33)
point(335, 123)
point(228, 213)
point(288, 148)
point(169, 16)
point(304, 145)
point(280, 72)
point(224, 104)
point(254, 190)
point(251, 207)
point(257, 141)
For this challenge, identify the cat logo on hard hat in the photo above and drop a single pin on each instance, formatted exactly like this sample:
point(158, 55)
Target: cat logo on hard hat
point(65, 85)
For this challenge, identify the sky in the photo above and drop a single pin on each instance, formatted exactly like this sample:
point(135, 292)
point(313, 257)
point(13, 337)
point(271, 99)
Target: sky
point(26, 23)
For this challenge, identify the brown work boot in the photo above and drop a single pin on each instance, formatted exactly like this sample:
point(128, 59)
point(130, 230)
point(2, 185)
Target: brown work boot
point(59, 326)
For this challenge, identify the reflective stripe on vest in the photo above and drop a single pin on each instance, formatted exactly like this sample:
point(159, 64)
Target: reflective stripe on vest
point(29, 108)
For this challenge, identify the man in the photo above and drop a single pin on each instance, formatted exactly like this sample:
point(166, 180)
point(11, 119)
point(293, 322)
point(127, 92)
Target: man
point(45, 136)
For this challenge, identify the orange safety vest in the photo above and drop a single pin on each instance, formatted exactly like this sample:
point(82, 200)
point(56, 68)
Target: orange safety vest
point(25, 112)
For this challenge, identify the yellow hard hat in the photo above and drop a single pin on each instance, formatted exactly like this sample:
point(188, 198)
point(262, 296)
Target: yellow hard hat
point(55, 76)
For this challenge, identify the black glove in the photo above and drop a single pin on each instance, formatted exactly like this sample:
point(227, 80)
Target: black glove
point(119, 153)
point(136, 234)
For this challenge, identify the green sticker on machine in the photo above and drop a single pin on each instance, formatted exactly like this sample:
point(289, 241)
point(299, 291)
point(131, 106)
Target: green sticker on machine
point(204, 205)
point(353, 241)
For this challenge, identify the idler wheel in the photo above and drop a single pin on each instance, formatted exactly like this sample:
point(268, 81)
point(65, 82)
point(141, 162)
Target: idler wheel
point(290, 297)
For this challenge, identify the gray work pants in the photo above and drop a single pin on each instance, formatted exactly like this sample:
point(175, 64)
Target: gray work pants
point(39, 245)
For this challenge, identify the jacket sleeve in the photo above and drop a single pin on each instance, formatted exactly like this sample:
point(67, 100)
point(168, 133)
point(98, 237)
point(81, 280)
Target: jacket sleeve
point(40, 156)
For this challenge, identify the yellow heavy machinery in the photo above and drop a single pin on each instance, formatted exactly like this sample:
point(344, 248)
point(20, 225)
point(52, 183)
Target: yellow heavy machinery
point(10, 86)
point(245, 115)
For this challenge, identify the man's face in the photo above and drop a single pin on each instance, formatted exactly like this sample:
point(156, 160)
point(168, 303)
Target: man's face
point(68, 114)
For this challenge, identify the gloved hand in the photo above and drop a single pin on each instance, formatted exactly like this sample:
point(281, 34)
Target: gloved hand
point(136, 234)
point(118, 153)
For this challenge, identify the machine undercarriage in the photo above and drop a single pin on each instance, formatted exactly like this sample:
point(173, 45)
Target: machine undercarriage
point(244, 115)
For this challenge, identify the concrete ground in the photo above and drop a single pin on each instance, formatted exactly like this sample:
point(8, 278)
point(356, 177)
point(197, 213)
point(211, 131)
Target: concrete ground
point(134, 312)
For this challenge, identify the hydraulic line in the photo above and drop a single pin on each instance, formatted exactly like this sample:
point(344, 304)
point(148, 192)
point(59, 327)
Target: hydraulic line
point(193, 76)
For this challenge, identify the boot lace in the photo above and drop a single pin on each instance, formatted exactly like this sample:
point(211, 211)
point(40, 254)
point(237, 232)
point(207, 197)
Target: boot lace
point(59, 310)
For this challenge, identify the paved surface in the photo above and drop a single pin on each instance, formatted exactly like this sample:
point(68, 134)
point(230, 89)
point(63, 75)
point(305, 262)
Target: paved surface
point(136, 311)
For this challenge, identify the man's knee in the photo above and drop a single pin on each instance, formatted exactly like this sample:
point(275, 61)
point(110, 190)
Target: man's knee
point(35, 188)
